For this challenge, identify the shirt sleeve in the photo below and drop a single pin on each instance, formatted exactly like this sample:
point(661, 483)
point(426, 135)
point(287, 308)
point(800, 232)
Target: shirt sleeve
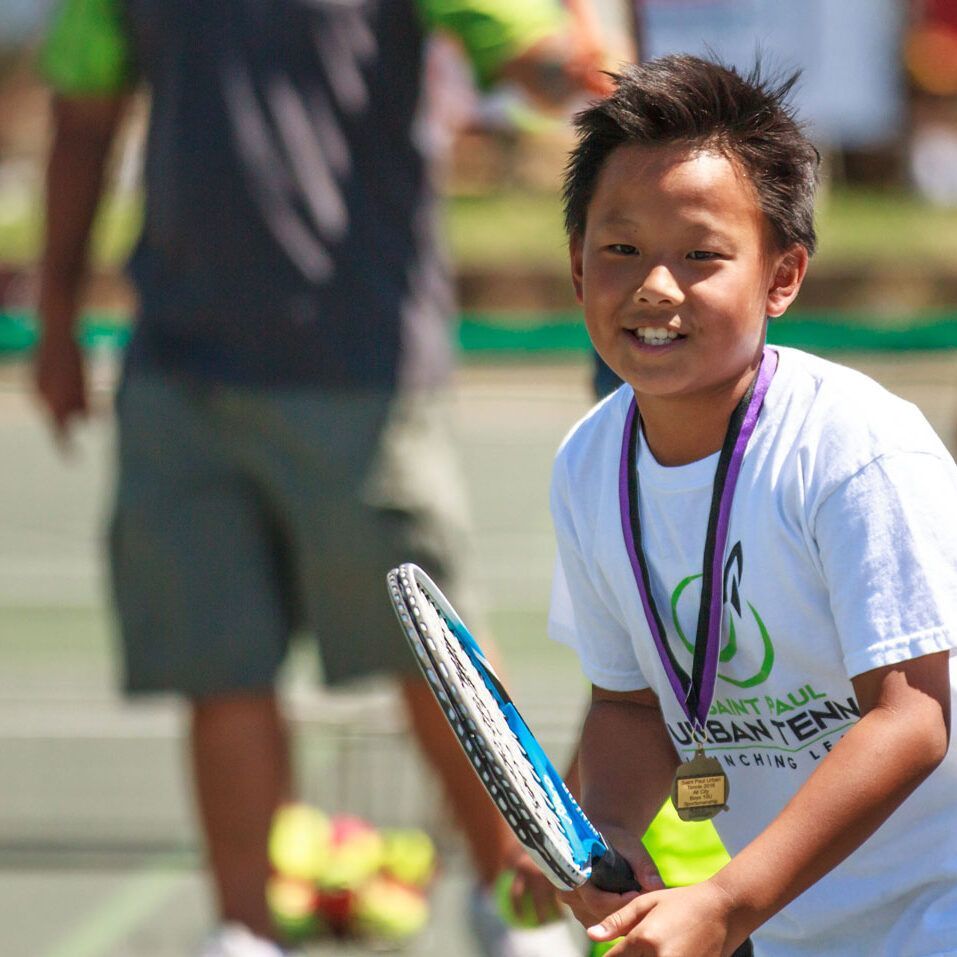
point(887, 540)
point(581, 614)
point(87, 49)
point(494, 31)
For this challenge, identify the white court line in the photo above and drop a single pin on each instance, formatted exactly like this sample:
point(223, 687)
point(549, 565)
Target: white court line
point(102, 929)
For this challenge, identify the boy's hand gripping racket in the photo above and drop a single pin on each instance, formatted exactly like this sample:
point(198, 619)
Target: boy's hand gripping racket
point(521, 780)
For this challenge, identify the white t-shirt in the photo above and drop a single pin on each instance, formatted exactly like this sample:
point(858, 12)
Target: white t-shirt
point(841, 558)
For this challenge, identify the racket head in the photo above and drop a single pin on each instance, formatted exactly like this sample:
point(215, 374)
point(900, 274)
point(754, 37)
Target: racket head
point(520, 779)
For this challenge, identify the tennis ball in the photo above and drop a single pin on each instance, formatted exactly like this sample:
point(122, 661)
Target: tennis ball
point(292, 905)
point(522, 916)
point(355, 854)
point(389, 910)
point(300, 841)
point(335, 909)
point(409, 856)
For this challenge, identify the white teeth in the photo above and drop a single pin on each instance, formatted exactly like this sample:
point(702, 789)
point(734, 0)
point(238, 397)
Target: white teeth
point(655, 336)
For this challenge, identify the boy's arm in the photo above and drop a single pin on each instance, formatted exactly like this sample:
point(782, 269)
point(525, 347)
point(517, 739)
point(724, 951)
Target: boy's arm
point(626, 765)
point(902, 736)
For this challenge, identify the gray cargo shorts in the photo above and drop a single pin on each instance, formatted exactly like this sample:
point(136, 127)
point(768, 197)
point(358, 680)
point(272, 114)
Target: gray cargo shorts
point(243, 517)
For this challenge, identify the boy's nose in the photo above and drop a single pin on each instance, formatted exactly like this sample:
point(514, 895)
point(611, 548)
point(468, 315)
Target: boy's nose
point(659, 288)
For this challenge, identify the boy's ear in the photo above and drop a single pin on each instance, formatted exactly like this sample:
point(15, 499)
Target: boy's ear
point(790, 269)
point(576, 256)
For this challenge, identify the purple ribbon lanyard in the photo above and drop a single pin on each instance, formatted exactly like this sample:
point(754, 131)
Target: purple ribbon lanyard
point(694, 692)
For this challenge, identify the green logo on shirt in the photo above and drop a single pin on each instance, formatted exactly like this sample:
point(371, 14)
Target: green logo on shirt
point(733, 571)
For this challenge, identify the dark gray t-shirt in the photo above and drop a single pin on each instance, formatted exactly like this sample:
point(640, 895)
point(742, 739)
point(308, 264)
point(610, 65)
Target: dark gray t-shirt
point(289, 235)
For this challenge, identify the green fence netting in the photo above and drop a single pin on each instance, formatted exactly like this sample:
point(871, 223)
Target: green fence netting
point(524, 334)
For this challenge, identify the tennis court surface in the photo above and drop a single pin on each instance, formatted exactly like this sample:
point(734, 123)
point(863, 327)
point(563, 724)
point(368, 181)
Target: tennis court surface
point(97, 852)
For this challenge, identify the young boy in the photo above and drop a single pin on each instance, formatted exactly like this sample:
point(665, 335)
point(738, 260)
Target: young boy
point(757, 552)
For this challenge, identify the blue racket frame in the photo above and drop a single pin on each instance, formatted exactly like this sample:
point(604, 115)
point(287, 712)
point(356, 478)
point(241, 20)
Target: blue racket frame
point(585, 854)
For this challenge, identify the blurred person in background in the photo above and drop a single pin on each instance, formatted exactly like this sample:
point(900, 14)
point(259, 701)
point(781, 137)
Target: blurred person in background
point(931, 59)
point(280, 443)
point(851, 91)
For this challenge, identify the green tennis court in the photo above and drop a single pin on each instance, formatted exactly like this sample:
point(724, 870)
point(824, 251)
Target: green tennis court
point(97, 852)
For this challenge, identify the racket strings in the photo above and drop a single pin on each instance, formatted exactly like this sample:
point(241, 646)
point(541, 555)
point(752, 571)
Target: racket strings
point(483, 713)
point(475, 715)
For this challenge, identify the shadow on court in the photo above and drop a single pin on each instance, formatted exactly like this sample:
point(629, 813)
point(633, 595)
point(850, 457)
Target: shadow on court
point(97, 852)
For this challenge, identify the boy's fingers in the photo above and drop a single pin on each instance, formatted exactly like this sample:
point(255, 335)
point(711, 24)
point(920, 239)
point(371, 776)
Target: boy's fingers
point(636, 854)
point(619, 922)
point(647, 875)
point(607, 902)
point(585, 904)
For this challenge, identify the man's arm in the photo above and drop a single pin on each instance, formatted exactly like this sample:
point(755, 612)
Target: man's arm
point(87, 62)
point(83, 133)
point(553, 53)
point(902, 736)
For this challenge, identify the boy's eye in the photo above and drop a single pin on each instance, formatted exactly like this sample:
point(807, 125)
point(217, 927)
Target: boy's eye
point(702, 255)
point(623, 249)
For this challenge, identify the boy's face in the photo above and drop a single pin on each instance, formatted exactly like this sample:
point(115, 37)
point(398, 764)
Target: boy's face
point(677, 273)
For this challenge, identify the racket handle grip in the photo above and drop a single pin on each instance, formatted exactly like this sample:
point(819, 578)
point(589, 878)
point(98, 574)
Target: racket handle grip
point(611, 872)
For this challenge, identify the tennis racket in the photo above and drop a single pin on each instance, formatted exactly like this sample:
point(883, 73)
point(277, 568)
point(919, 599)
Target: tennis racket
point(516, 772)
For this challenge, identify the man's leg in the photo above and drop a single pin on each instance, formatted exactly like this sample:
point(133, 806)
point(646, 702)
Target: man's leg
point(489, 838)
point(493, 846)
point(241, 771)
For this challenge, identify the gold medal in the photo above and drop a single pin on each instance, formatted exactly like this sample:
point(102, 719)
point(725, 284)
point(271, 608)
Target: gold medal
point(700, 790)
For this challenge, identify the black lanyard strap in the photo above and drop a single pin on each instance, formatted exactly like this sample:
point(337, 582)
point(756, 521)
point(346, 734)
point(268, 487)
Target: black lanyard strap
point(694, 692)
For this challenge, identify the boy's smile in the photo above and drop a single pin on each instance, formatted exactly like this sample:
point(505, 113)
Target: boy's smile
point(677, 273)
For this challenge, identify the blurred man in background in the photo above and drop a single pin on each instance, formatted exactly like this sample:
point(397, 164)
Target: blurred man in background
point(280, 441)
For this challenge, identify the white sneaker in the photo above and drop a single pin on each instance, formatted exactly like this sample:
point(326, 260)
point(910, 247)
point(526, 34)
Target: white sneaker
point(498, 939)
point(236, 940)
